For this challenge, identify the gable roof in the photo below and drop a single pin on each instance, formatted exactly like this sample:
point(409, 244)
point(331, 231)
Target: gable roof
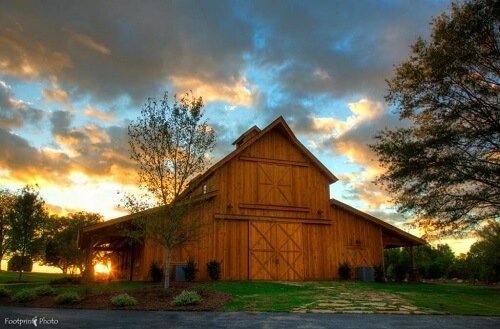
point(280, 124)
point(391, 229)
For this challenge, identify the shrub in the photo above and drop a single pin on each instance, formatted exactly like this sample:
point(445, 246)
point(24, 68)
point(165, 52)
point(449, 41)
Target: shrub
point(379, 273)
point(45, 290)
point(76, 280)
point(4, 292)
point(345, 270)
point(186, 298)
point(123, 300)
point(214, 270)
point(24, 295)
point(69, 297)
point(190, 270)
point(66, 280)
point(63, 280)
point(156, 272)
point(201, 290)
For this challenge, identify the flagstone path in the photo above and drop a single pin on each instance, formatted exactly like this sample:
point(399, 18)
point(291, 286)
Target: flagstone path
point(347, 301)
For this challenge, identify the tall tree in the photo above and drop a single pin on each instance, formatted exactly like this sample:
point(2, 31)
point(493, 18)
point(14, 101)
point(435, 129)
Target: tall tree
point(170, 144)
point(61, 249)
point(27, 224)
point(444, 169)
point(7, 199)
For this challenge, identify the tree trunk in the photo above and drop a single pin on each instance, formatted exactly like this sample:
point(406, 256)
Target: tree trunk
point(1, 258)
point(166, 284)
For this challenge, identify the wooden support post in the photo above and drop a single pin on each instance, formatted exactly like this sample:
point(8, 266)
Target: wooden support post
point(413, 271)
point(88, 273)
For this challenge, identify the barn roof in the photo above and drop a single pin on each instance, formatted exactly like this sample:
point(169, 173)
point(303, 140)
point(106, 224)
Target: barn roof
point(251, 136)
point(393, 236)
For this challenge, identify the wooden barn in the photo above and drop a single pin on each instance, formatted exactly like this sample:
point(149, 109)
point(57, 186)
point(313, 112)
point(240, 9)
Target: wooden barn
point(268, 215)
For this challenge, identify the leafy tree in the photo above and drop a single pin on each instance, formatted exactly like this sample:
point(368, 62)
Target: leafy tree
point(27, 224)
point(397, 264)
point(170, 146)
point(484, 256)
point(444, 169)
point(434, 262)
point(61, 249)
point(7, 199)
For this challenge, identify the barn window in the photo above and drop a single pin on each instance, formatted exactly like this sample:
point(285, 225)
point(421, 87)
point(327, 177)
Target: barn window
point(275, 184)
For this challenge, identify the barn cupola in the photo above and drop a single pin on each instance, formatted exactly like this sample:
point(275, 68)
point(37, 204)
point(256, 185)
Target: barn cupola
point(247, 135)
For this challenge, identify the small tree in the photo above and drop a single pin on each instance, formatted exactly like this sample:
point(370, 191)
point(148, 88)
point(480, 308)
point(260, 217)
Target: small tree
point(7, 199)
point(170, 146)
point(28, 222)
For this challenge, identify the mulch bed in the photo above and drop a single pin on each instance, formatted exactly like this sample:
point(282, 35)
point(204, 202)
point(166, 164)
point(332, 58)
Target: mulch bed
point(149, 298)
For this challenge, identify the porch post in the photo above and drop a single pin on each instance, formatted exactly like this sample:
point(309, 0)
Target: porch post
point(413, 271)
point(88, 273)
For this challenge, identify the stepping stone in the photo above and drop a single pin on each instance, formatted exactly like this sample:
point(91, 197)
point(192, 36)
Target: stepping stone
point(340, 301)
point(332, 304)
point(393, 312)
point(357, 312)
point(412, 308)
point(322, 311)
point(374, 304)
point(354, 308)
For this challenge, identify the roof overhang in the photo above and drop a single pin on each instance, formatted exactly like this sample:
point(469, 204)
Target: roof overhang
point(393, 237)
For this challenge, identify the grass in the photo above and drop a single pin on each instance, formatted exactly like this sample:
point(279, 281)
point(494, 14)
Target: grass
point(454, 299)
point(30, 277)
point(449, 298)
point(264, 296)
point(457, 299)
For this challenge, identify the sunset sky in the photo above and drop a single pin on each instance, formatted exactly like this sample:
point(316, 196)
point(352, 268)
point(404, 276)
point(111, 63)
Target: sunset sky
point(73, 75)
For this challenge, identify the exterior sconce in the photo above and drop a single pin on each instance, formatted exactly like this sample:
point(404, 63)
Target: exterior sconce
point(358, 242)
point(320, 212)
point(229, 206)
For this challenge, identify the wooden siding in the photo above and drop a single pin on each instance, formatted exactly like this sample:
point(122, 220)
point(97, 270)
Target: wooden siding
point(271, 219)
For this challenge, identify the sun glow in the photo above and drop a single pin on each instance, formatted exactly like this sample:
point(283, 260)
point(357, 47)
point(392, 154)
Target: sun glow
point(103, 268)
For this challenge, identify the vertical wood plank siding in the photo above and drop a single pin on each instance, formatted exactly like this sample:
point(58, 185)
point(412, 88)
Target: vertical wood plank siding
point(271, 197)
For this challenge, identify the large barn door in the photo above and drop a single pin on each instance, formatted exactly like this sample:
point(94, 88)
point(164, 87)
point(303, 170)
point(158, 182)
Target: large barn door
point(262, 242)
point(276, 251)
point(289, 252)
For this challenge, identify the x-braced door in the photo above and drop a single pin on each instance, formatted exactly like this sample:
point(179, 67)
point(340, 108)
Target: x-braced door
point(276, 251)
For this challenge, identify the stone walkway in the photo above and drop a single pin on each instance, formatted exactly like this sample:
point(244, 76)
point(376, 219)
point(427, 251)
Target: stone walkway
point(347, 301)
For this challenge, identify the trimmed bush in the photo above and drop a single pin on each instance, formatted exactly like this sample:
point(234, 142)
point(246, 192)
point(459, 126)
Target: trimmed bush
point(4, 292)
point(66, 280)
point(190, 270)
point(69, 297)
point(24, 295)
point(123, 300)
point(45, 291)
point(345, 270)
point(186, 298)
point(214, 270)
point(63, 280)
point(379, 273)
point(156, 272)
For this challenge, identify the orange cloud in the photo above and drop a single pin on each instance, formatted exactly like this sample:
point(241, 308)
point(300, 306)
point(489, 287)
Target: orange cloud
point(87, 41)
point(95, 113)
point(56, 95)
point(238, 93)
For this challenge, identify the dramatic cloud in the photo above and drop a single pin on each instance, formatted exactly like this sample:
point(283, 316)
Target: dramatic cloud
point(73, 75)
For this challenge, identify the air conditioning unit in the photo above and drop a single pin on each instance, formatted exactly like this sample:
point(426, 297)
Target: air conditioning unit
point(365, 274)
point(179, 272)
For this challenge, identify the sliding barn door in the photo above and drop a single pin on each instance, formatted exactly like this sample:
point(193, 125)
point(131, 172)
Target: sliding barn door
point(276, 251)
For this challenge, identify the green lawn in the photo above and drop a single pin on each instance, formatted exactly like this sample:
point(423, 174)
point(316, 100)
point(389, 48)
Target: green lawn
point(449, 298)
point(30, 277)
point(458, 299)
point(455, 299)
